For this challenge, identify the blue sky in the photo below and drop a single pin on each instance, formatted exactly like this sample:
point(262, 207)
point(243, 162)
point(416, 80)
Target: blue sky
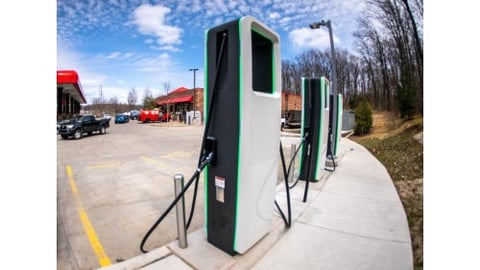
point(115, 45)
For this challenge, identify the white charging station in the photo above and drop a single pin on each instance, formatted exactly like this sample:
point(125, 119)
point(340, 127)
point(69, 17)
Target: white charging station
point(243, 92)
point(315, 119)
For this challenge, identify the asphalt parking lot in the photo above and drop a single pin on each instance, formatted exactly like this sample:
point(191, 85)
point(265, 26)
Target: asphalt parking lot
point(112, 188)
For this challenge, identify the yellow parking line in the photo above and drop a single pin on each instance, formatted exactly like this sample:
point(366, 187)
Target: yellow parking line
point(104, 165)
point(151, 160)
point(87, 225)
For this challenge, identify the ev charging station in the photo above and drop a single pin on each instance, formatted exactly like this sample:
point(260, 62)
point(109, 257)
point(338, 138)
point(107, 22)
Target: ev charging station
point(243, 101)
point(315, 121)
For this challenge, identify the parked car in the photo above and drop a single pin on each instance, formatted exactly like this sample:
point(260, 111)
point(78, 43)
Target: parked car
point(134, 114)
point(121, 118)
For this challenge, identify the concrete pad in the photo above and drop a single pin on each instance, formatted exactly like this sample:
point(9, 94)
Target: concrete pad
point(362, 175)
point(359, 198)
point(360, 216)
point(309, 247)
point(170, 262)
point(201, 254)
point(141, 260)
point(360, 186)
point(296, 197)
point(204, 256)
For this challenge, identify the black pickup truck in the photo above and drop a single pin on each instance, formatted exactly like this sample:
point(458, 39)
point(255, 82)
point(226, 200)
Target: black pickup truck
point(83, 124)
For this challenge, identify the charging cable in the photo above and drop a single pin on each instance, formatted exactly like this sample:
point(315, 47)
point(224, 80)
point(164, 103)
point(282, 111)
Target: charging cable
point(206, 157)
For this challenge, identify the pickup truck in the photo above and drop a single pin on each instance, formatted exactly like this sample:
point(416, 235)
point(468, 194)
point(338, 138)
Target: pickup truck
point(83, 124)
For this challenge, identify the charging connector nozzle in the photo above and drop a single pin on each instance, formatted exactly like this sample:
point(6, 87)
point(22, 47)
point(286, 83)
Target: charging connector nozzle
point(211, 149)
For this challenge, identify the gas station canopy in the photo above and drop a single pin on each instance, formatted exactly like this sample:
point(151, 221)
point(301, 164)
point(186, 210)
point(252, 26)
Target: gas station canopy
point(68, 80)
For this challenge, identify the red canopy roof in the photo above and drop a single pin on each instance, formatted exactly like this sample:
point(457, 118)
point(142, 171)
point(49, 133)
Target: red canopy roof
point(176, 100)
point(178, 90)
point(182, 99)
point(69, 81)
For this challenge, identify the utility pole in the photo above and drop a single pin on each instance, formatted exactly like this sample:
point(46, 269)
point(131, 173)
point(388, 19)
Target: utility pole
point(194, 95)
point(101, 99)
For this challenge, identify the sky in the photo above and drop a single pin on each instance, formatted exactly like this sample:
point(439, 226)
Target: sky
point(117, 45)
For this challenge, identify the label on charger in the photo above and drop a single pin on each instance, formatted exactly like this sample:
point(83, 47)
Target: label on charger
point(220, 188)
point(219, 182)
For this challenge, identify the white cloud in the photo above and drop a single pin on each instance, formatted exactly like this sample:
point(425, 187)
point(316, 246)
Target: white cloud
point(150, 20)
point(113, 55)
point(285, 20)
point(274, 15)
point(309, 38)
point(167, 48)
point(221, 5)
point(119, 55)
point(232, 5)
point(126, 55)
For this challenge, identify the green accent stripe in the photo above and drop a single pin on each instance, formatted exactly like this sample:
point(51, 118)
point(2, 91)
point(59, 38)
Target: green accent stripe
point(273, 69)
point(240, 77)
point(205, 107)
point(323, 95)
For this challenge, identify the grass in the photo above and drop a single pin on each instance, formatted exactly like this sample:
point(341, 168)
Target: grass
point(392, 142)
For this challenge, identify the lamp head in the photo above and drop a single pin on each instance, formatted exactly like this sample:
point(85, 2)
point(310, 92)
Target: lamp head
point(317, 25)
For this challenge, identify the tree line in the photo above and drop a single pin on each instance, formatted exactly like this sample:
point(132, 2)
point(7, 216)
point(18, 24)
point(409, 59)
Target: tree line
point(387, 67)
point(112, 105)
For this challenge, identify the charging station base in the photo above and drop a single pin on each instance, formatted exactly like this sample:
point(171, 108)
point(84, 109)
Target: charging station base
point(329, 162)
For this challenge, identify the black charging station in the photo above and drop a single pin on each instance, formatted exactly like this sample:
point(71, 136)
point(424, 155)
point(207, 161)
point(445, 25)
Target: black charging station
point(315, 121)
point(242, 90)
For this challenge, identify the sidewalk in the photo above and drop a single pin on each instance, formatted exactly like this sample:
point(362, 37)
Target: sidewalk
point(353, 219)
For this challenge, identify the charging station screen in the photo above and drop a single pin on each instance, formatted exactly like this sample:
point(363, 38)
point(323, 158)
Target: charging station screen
point(262, 59)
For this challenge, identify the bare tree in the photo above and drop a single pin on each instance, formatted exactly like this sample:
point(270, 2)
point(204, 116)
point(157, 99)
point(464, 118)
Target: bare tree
point(132, 98)
point(113, 105)
point(388, 68)
point(389, 43)
point(166, 87)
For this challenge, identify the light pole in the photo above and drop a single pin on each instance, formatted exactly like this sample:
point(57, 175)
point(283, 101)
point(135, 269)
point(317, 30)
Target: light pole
point(194, 96)
point(332, 132)
point(332, 52)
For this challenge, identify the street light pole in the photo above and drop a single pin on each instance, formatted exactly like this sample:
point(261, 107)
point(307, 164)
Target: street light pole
point(332, 132)
point(194, 96)
point(332, 52)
